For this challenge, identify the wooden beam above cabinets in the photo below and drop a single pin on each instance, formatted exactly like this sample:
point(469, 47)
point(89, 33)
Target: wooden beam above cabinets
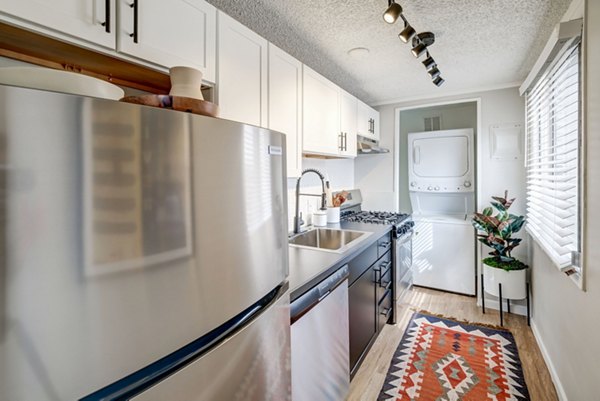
point(30, 47)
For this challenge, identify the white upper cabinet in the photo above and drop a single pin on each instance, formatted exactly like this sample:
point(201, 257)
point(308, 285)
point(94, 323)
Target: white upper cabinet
point(93, 21)
point(368, 121)
point(285, 104)
point(169, 33)
point(241, 72)
point(348, 121)
point(321, 114)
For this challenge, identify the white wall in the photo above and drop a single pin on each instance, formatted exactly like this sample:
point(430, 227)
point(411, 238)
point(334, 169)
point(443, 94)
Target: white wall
point(567, 320)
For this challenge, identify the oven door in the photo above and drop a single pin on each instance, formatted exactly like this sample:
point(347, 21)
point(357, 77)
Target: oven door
point(403, 262)
point(403, 250)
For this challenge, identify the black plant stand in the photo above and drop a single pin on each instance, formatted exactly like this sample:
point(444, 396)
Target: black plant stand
point(507, 302)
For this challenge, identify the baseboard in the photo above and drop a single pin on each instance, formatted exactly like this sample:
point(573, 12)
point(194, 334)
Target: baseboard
point(514, 308)
point(562, 396)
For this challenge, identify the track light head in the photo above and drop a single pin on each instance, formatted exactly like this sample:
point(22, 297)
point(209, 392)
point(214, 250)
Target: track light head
point(429, 62)
point(418, 50)
point(438, 81)
point(392, 13)
point(421, 42)
point(407, 33)
point(434, 72)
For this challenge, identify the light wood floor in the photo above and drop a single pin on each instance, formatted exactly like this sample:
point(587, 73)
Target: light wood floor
point(368, 380)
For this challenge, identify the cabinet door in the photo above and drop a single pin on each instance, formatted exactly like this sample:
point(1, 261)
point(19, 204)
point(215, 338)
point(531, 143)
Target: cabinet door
point(348, 119)
point(321, 114)
point(169, 33)
point(374, 123)
point(363, 125)
point(79, 19)
point(362, 310)
point(368, 121)
point(285, 104)
point(241, 72)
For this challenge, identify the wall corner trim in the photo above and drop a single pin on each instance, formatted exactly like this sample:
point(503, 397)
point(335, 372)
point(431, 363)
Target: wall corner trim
point(562, 395)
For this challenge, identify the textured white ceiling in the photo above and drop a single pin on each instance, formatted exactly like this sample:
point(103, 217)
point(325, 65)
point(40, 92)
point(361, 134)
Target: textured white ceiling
point(479, 43)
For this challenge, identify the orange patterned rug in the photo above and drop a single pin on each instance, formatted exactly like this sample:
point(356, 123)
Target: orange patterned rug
point(443, 360)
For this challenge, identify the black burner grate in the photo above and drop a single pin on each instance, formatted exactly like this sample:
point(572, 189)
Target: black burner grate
point(375, 217)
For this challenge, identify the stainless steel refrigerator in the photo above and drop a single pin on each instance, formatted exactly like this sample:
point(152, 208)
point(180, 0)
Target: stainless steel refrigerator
point(143, 253)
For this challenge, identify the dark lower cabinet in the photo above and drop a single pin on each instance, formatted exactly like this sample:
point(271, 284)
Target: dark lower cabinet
point(370, 298)
point(363, 323)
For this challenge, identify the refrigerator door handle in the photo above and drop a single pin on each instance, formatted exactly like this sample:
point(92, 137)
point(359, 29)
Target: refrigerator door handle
point(138, 382)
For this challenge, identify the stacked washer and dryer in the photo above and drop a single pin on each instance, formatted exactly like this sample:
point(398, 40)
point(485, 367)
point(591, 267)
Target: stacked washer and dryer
point(441, 168)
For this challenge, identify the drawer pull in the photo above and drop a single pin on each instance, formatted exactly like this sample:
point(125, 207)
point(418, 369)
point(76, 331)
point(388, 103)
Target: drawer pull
point(385, 265)
point(384, 244)
point(386, 312)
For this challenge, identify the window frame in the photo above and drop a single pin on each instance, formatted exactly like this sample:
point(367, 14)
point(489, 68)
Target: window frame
point(573, 270)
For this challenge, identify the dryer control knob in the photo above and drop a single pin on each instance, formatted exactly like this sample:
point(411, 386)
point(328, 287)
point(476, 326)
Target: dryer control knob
point(429, 188)
point(437, 188)
point(413, 184)
point(467, 184)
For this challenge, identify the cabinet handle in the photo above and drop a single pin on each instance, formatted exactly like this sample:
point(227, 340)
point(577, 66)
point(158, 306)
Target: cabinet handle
point(386, 312)
point(106, 23)
point(134, 35)
point(345, 141)
point(385, 265)
point(341, 137)
point(384, 244)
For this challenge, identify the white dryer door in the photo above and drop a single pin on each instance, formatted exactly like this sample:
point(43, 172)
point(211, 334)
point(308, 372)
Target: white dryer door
point(446, 157)
point(441, 161)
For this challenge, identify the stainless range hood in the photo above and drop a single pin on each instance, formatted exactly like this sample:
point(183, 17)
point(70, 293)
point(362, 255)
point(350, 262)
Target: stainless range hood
point(367, 146)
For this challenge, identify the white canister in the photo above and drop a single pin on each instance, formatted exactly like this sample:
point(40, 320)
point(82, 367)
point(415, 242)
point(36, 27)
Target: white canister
point(186, 82)
point(319, 218)
point(333, 214)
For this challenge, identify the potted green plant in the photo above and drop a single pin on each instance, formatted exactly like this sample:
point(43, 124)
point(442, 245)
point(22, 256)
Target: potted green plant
point(496, 231)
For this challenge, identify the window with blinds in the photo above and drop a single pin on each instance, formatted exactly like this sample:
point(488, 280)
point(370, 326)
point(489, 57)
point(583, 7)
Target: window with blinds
point(553, 159)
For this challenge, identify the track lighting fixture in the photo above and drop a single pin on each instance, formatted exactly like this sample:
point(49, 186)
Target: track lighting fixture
point(420, 41)
point(418, 50)
point(407, 33)
point(434, 72)
point(392, 13)
point(438, 81)
point(429, 62)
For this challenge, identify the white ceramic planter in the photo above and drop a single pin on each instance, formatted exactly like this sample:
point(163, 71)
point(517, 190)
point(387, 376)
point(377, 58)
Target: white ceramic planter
point(186, 82)
point(513, 282)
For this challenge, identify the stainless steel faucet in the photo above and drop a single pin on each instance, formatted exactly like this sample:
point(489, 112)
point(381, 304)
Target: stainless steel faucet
point(298, 216)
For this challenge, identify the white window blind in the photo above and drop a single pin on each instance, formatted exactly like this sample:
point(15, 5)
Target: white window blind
point(553, 158)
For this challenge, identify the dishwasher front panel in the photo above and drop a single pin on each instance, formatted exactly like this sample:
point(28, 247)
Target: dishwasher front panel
point(320, 350)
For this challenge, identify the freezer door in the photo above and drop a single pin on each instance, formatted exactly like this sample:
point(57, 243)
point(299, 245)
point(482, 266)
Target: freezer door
point(253, 365)
point(130, 232)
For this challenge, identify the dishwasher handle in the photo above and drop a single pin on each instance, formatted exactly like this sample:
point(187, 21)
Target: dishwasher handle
point(310, 299)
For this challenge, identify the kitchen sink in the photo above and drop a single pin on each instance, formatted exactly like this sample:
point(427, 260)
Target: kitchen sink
point(328, 239)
